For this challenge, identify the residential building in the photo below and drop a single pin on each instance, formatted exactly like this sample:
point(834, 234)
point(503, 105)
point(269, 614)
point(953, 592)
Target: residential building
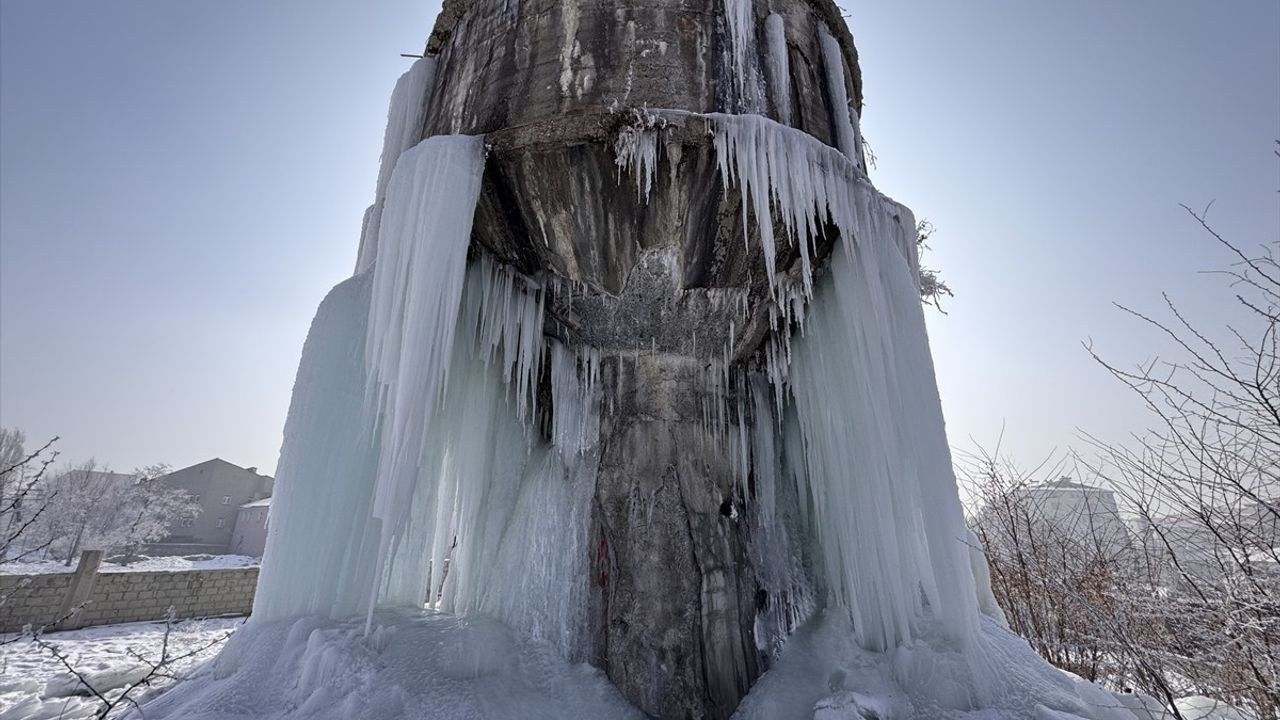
point(1080, 512)
point(219, 489)
point(250, 534)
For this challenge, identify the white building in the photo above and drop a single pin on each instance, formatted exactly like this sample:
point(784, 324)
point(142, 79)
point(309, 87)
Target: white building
point(250, 536)
point(1078, 512)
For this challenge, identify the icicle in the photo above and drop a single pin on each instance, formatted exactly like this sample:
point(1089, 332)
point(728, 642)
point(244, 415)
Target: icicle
point(741, 19)
point(405, 117)
point(779, 67)
point(575, 422)
point(847, 135)
point(507, 310)
point(636, 151)
point(498, 520)
point(877, 466)
point(417, 290)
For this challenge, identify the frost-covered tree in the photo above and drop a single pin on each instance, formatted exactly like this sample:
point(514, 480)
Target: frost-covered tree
point(94, 508)
point(23, 499)
point(932, 287)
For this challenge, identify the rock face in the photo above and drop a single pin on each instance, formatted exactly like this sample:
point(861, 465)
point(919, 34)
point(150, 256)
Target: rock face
point(655, 282)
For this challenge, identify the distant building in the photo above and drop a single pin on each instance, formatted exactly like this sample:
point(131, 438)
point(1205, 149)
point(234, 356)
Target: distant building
point(1215, 543)
point(250, 534)
point(220, 489)
point(1079, 512)
point(1063, 516)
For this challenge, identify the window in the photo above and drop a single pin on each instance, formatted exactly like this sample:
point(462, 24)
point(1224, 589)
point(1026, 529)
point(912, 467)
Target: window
point(226, 499)
point(222, 523)
point(195, 498)
point(187, 522)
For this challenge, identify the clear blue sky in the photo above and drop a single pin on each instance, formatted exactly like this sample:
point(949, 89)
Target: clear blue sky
point(181, 182)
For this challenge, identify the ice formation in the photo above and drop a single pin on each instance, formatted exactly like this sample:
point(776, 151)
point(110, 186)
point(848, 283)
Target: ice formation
point(442, 451)
point(779, 67)
point(809, 183)
point(741, 19)
point(848, 135)
point(404, 130)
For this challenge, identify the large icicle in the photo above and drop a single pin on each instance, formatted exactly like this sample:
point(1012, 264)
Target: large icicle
point(847, 134)
point(417, 289)
point(779, 67)
point(876, 466)
point(741, 18)
point(499, 519)
point(887, 513)
point(405, 117)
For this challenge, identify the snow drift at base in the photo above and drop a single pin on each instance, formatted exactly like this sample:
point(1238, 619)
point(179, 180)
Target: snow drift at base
point(411, 666)
point(426, 665)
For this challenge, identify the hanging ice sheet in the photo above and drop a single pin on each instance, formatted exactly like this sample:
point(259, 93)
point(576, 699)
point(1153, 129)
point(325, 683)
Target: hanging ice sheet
point(417, 290)
point(499, 516)
point(405, 118)
point(877, 470)
point(373, 369)
point(320, 555)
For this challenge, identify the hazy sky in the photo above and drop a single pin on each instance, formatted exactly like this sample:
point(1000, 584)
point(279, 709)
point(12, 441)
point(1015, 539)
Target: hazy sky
point(181, 183)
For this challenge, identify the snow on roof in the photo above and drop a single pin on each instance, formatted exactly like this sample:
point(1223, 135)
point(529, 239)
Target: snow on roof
point(264, 502)
point(1066, 483)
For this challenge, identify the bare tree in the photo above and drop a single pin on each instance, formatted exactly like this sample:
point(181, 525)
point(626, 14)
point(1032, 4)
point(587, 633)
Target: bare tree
point(24, 501)
point(1205, 480)
point(1058, 553)
point(1189, 602)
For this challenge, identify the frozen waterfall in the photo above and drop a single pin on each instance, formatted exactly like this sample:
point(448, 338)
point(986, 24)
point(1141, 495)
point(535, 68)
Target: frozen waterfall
point(449, 441)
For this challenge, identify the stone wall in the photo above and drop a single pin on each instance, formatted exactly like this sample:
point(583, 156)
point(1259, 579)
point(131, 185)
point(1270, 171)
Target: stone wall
point(123, 597)
point(31, 599)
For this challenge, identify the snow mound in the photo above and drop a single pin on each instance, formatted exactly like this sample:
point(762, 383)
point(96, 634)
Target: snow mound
point(34, 685)
point(101, 681)
point(822, 673)
point(413, 665)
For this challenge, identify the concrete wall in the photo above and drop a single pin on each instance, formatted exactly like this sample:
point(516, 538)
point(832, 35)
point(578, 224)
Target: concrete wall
point(112, 598)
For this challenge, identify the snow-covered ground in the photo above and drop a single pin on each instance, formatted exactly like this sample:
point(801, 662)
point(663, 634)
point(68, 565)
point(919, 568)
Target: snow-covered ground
point(34, 685)
point(413, 666)
point(146, 564)
point(429, 665)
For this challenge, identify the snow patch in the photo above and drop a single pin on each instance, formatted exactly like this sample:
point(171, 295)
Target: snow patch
point(473, 667)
